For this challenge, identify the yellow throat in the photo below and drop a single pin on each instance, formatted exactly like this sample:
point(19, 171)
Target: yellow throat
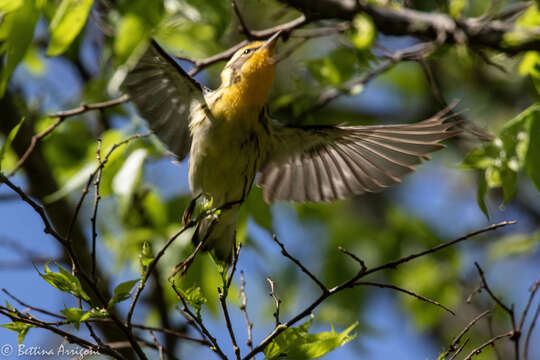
point(245, 82)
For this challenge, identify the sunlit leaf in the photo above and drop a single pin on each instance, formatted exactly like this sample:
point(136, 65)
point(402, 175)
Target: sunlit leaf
point(364, 32)
point(515, 148)
point(456, 7)
point(335, 68)
point(9, 139)
point(122, 292)
point(297, 344)
point(65, 282)
point(145, 257)
point(16, 31)
point(19, 327)
point(194, 297)
point(127, 178)
point(514, 245)
point(532, 162)
point(67, 23)
point(10, 5)
point(76, 316)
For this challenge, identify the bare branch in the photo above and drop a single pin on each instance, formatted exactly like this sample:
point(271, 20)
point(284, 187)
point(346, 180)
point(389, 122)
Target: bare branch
point(491, 341)
point(534, 289)
point(529, 332)
point(363, 266)
point(300, 265)
point(198, 324)
point(349, 283)
point(408, 292)
point(149, 271)
point(424, 25)
point(223, 302)
point(243, 308)
point(277, 301)
point(243, 27)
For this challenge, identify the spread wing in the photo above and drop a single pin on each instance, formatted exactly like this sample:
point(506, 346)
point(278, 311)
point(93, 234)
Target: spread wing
point(165, 96)
point(317, 164)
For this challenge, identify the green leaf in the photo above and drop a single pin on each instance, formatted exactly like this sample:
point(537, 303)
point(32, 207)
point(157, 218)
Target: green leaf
point(67, 23)
point(145, 257)
point(9, 140)
point(135, 29)
point(514, 245)
point(16, 32)
point(76, 316)
point(516, 147)
point(127, 178)
point(19, 327)
point(335, 68)
point(10, 5)
point(364, 32)
point(195, 298)
point(481, 193)
point(532, 162)
point(65, 282)
point(122, 292)
point(297, 344)
point(456, 7)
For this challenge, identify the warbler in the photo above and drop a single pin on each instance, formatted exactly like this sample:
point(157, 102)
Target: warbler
point(230, 139)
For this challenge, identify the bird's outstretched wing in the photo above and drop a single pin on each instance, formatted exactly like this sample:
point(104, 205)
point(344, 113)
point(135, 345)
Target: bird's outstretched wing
point(166, 96)
point(315, 164)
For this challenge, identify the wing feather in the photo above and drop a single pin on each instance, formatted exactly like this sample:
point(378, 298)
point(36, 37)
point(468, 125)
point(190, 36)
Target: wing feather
point(165, 96)
point(315, 164)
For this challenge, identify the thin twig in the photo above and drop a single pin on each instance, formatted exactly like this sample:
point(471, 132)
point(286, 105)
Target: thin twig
point(199, 65)
point(43, 311)
point(277, 301)
point(533, 290)
point(69, 337)
point(453, 348)
point(457, 339)
point(529, 333)
point(510, 310)
point(223, 302)
point(354, 257)
point(200, 325)
point(408, 292)
point(300, 265)
point(93, 218)
point(459, 349)
point(491, 341)
point(349, 283)
point(158, 345)
point(243, 27)
point(236, 255)
point(243, 309)
point(149, 271)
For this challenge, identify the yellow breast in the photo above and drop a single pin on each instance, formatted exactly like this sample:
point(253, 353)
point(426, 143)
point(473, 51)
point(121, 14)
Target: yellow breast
point(246, 92)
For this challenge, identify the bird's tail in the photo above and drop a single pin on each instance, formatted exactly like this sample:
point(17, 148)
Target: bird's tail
point(218, 231)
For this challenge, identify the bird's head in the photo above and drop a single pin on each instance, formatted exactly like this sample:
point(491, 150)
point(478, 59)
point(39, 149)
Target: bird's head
point(251, 69)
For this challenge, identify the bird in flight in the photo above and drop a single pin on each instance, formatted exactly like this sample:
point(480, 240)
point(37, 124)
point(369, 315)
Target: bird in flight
point(231, 139)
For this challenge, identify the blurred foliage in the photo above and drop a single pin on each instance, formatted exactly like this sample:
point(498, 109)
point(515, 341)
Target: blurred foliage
point(137, 217)
point(516, 147)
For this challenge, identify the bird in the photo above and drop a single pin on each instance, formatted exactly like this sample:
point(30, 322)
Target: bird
point(231, 139)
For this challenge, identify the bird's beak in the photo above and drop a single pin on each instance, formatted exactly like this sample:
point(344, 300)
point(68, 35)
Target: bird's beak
point(271, 42)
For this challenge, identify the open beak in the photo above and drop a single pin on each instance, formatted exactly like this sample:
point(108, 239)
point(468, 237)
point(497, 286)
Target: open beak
point(271, 42)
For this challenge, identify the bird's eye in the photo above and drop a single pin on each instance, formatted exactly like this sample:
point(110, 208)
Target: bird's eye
point(247, 51)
